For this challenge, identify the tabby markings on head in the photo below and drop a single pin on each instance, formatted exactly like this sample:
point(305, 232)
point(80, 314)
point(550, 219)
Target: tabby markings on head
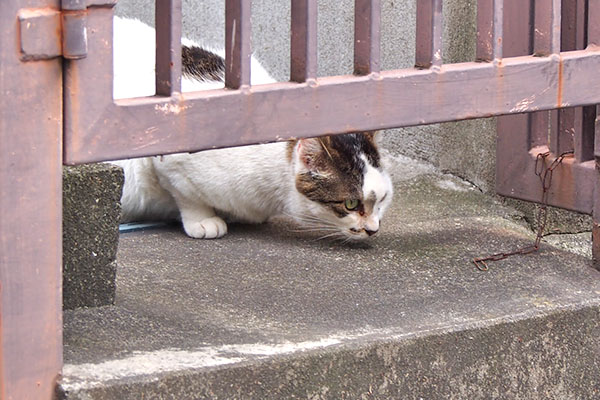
point(336, 171)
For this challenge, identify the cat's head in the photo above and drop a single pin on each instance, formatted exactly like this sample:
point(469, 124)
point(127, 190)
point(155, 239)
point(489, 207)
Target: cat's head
point(341, 184)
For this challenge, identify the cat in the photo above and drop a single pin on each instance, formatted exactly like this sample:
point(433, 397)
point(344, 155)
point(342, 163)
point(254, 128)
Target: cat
point(335, 184)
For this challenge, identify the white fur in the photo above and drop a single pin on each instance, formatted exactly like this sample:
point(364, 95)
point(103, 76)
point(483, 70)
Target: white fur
point(379, 184)
point(248, 184)
point(134, 48)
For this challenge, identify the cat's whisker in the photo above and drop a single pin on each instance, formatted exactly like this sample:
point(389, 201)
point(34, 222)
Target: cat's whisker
point(318, 223)
point(310, 218)
point(335, 235)
point(315, 229)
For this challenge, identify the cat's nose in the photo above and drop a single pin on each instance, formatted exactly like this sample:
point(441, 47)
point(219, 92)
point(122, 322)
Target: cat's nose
point(371, 225)
point(371, 233)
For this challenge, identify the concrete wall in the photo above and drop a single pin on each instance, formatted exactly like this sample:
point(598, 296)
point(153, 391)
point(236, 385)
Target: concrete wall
point(466, 149)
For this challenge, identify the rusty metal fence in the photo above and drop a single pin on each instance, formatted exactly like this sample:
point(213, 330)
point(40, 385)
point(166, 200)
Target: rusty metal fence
point(524, 64)
point(570, 27)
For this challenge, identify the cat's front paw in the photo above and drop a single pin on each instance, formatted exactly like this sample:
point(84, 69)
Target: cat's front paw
point(209, 228)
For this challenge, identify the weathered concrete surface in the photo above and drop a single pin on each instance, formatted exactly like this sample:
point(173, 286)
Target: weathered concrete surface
point(91, 212)
point(560, 221)
point(271, 312)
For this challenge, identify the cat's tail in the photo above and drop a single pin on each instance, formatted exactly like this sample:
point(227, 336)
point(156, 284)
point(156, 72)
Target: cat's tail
point(201, 64)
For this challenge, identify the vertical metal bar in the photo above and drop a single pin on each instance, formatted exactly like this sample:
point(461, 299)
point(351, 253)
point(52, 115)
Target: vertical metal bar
point(571, 129)
point(237, 43)
point(546, 39)
point(303, 54)
point(586, 116)
point(538, 128)
point(498, 29)
point(563, 127)
point(30, 216)
point(593, 36)
point(597, 133)
point(596, 212)
point(168, 47)
point(562, 130)
point(512, 139)
point(593, 39)
point(596, 221)
point(367, 36)
point(583, 140)
point(573, 24)
point(429, 33)
point(489, 29)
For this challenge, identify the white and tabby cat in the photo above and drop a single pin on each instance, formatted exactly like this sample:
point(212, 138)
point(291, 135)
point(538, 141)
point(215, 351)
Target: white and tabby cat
point(335, 183)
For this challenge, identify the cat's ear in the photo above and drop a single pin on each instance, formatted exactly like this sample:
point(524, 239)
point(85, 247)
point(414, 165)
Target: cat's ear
point(310, 151)
point(373, 137)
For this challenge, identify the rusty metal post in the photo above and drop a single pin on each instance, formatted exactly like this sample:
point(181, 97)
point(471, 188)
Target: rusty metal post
point(546, 41)
point(367, 22)
point(593, 39)
point(546, 36)
point(593, 31)
point(303, 43)
point(168, 47)
point(30, 214)
point(511, 129)
point(429, 34)
point(237, 43)
point(596, 211)
point(489, 29)
point(568, 125)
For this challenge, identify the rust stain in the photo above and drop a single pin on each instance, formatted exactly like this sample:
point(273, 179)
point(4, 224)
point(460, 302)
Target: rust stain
point(560, 83)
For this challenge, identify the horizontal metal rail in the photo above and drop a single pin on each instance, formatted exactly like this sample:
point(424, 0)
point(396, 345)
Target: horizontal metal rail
point(145, 126)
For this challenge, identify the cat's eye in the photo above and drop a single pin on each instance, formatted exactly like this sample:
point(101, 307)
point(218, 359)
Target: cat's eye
point(351, 204)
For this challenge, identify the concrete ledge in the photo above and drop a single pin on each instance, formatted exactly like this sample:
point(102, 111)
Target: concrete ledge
point(91, 213)
point(547, 357)
point(271, 312)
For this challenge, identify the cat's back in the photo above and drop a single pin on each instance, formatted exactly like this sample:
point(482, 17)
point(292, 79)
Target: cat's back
point(247, 183)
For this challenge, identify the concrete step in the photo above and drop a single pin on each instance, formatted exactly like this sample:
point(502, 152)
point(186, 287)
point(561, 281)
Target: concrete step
point(271, 312)
point(91, 212)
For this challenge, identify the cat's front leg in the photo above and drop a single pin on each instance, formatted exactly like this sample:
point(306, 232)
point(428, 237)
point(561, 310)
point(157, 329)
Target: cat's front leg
point(200, 221)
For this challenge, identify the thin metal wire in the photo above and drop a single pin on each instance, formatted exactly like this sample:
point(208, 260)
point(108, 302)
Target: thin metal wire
point(545, 175)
